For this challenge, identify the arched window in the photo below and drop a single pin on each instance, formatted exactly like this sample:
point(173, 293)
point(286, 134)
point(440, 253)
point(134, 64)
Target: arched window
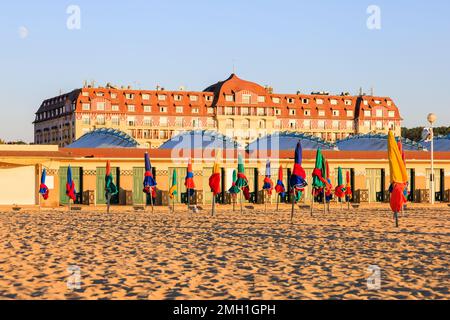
point(246, 124)
point(262, 124)
point(229, 123)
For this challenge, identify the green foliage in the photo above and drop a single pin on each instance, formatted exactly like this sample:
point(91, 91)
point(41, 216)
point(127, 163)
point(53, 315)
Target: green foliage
point(415, 134)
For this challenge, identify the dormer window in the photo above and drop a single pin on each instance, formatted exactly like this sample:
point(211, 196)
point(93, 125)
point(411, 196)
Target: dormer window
point(276, 100)
point(335, 113)
point(307, 113)
point(319, 101)
point(334, 102)
point(348, 102)
point(246, 98)
point(291, 100)
point(193, 98)
point(261, 99)
point(161, 97)
point(305, 101)
point(178, 97)
point(229, 98)
point(321, 113)
point(145, 96)
point(129, 96)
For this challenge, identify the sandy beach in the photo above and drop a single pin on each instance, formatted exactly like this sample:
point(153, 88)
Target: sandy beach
point(257, 255)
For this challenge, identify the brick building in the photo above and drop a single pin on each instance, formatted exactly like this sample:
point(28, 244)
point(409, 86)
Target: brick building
point(237, 108)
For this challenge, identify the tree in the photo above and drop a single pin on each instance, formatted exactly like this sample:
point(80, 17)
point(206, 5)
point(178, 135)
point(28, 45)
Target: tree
point(415, 134)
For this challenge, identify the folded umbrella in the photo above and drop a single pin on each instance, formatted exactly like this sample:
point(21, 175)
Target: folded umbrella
point(174, 188)
point(268, 183)
point(149, 180)
point(234, 188)
point(70, 185)
point(340, 189)
point(43, 189)
point(280, 188)
point(189, 181)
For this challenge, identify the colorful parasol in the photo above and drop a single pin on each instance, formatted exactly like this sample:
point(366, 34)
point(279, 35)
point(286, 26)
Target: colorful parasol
point(70, 185)
point(43, 189)
point(268, 183)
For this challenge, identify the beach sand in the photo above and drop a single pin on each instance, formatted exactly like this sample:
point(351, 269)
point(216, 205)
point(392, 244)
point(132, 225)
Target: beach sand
point(256, 255)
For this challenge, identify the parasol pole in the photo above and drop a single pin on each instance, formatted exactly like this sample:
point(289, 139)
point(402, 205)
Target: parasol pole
point(293, 205)
point(188, 200)
point(213, 211)
point(240, 199)
point(234, 202)
point(312, 202)
point(324, 201)
point(151, 199)
point(278, 201)
point(108, 202)
point(396, 219)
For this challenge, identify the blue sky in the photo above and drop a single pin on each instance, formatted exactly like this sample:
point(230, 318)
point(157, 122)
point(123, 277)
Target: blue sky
point(290, 45)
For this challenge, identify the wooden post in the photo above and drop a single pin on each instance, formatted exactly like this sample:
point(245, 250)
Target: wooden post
point(312, 202)
point(324, 201)
point(278, 201)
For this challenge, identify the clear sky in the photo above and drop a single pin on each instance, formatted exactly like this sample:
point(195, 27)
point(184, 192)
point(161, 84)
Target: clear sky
point(288, 44)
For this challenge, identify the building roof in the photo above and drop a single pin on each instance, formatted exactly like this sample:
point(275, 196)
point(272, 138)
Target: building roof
point(374, 142)
point(105, 138)
point(441, 144)
point(288, 141)
point(200, 140)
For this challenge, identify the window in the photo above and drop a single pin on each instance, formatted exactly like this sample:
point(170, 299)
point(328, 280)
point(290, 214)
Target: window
point(85, 94)
point(115, 107)
point(229, 98)
point(348, 102)
point(261, 112)
point(365, 102)
point(209, 98)
point(147, 108)
point(262, 124)
point(349, 113)
point(278, 112)
point(321, 124)
point(179, 122)
point(305, 101)
point(211, 123)
point(391, 125)
point(100, 94)
point(210, 110)
point(86, 120)
point(147, 121)
point(178, 97)
point(379, 125)
point(307, 112)
point(163, 121)
point(335, 124)
point(349, 125)
point(391, 114)
point(193, 98)
point(86, 106)
point(228, 111)
point(333, 102)
point(115, 120)
point(290, 100)
point(319, 101)
point(321, 113)
point(131, 121)
point(276, 100)
point(113, 95)
point(131, 108)
point(367, 124)
point(277, 124)
point(379, 113)
point(229, 124)
point(101, 120)
point(101, 106)
point(246, 98)
point(195, 110)
point(163, 109)
point(389, 103)
point(246, 124)
point(196, 123)
point(367, 113)
point(292, 112)
point(336, 113)
point(145, 96)
point(261, 99)
point(129, 96)
point(179, 109)
point(161, 97)
point(377, 102)
point(293, 124)
point(244, 112)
